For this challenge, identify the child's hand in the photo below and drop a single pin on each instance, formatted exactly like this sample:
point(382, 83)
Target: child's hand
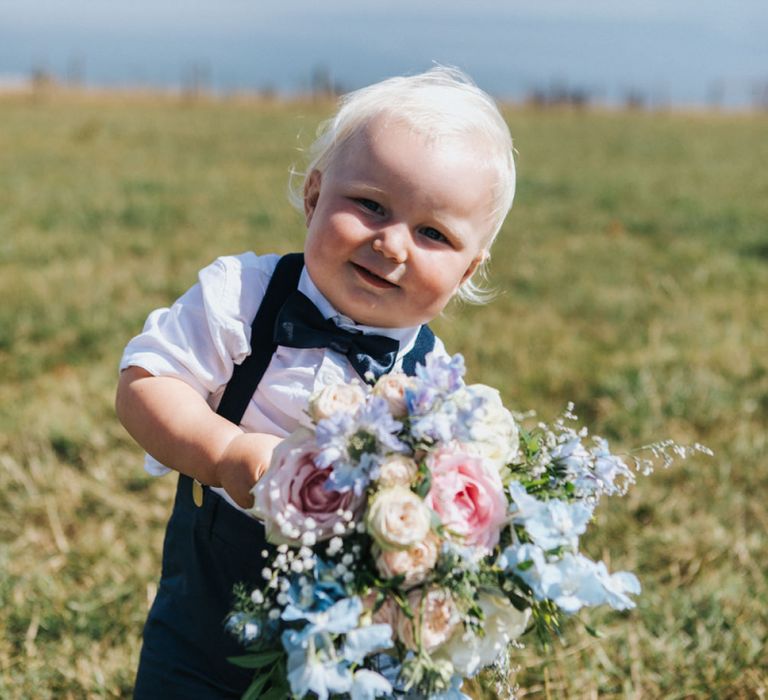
point(243, 463)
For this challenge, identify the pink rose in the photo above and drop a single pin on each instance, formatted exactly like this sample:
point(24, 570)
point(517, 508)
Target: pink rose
point(292, 499)
point(468, 497)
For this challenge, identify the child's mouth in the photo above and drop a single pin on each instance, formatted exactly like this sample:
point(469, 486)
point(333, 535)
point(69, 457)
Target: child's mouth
point(372, 278)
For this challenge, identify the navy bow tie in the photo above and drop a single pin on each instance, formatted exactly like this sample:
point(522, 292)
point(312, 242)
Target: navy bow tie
point(300, 325)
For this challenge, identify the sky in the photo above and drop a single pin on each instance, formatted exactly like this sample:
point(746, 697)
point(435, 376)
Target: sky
point(676, 51)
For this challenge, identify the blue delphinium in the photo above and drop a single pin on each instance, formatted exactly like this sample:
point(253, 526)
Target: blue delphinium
point(353, 444)
point(360, 642)
point(613, 476)
point(550, 524)
point(311, 668)
point(436, 426)
point(354, 475)
point(438, 377)
point(314, 662)
point(332, 436)
point(571, 581)
point(367, 685)
point(330, 620)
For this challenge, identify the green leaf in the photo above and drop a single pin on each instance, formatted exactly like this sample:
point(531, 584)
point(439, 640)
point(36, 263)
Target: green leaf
point(255, 688)
point(260, 660)
point(594, 632)
point(278, 692)
point(425, 485)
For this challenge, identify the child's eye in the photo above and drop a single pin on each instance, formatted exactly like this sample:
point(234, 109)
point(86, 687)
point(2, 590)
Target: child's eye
point(369, 204)
point(433, 234)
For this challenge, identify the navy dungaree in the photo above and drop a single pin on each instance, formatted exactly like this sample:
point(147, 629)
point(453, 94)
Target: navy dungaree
point(210, 548)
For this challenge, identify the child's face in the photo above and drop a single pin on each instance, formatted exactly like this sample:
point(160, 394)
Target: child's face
point(396, 223)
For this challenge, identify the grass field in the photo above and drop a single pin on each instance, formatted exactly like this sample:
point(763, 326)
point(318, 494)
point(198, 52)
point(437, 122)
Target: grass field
point(633, 279)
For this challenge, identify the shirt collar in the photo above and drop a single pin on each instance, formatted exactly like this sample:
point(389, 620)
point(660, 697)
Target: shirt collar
point(405, 336)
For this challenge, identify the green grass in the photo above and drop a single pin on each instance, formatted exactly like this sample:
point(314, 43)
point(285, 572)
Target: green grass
point(632, 275)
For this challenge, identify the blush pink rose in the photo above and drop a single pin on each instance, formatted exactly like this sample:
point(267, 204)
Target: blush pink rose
point(291, 497)
point(434, 612)
point(386, 613)
point(414, 563)
point(468, 496)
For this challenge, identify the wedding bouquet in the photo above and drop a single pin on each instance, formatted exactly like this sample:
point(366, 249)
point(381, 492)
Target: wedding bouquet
point(421, 530)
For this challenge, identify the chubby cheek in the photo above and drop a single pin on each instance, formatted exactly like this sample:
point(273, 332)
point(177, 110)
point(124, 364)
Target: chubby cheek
point(438, 281)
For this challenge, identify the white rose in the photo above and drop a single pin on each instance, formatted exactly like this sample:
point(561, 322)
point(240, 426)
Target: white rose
point(435, 613)
point(391, 387)
point(495, 435)
point(414, 563)
point(503, 623)
point(336, 398)
point(397, 518)
point(397, 470)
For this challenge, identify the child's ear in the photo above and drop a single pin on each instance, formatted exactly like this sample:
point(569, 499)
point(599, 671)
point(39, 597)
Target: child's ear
point(311, 194)
point(479, 259)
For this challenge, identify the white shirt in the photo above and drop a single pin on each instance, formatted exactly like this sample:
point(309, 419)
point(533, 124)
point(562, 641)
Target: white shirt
point(207, 332)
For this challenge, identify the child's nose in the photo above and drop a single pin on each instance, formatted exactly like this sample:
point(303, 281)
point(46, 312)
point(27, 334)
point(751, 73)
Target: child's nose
point(392, 242)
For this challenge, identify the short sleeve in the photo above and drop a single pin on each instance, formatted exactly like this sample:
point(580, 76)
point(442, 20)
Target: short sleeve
point(207, 330)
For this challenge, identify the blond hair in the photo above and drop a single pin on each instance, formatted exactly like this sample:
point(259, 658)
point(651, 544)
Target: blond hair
point(441, 102)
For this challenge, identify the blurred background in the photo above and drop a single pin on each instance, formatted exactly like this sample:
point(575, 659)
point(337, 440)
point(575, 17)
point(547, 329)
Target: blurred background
point(139, 140)
point(654, 53)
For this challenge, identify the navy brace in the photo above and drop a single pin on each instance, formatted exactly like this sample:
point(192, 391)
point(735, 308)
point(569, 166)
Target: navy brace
point(247, 375)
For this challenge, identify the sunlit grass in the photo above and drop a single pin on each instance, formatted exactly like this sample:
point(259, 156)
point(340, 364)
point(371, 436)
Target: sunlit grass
point(632, 276)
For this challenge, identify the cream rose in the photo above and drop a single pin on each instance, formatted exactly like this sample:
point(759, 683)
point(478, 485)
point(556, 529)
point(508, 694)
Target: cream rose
point(494, 431)
point(414, 563)
point(397, 470)
point(336, 398)
point(391, 387)
point(502, 624)
point(397, 518)
point(434, 612)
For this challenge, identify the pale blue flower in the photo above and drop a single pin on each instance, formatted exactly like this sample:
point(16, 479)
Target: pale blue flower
point(576, 581)
point(528, 562)
point(526, 506)
point(323, 592)
point(389, 667)
point(311, 669)
point(367, 685)
point(338, 618)
point(572, 457)
point(332, 435)
point(558, 523)
point(360, 642)
point(246, 627)
point(572, 581)
point(352, 444)
point(375, 419)
point(609, 470)
point(437, 425)
point(355, 476)
point(438, 377)
point(550, 524)
point(445, 374)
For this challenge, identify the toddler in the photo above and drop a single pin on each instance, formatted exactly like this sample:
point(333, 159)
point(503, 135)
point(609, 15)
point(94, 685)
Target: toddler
point(407, 186)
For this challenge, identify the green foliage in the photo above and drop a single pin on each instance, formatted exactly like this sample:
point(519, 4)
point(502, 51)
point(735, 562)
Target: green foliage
point(632, 276)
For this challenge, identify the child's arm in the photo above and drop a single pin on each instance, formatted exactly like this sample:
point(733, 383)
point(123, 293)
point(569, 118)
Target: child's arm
point(174, 424)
